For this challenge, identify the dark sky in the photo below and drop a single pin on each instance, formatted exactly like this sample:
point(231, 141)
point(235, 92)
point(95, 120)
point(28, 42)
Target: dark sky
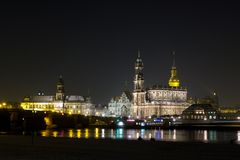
point(94, 44)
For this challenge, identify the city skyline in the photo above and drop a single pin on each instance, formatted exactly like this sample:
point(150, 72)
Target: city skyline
point(94, 46)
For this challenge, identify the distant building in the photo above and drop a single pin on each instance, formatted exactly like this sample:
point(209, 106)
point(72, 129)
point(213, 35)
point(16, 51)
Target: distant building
point(158, 100)
point(6, 105)
point(229, 113)
point(101, 110)
point(61, 103)
point(120, 106)
point(211, 99)
point(200, 113)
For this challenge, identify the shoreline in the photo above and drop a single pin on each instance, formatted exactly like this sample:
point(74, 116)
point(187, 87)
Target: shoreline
point(21, 147)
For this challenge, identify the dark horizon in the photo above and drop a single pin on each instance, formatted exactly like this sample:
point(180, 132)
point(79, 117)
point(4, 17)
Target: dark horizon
point(94, 46)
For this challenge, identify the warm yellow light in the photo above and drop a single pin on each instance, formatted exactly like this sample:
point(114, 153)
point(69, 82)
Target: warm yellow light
point(78, 133)
point(55, 133)
point(47, 121)
point(174, 83)
point(70, 133)
point(4, 104)
point(96, 133)
point(86, 133)
point(45, 133)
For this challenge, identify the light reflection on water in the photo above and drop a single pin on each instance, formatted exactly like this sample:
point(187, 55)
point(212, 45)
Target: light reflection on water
point(157, 134)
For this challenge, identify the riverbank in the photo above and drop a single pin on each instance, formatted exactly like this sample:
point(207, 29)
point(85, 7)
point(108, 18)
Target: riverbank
point(21, 147)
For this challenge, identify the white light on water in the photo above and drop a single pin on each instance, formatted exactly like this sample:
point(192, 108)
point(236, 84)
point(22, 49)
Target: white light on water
point(205, 135)
point(238, 136)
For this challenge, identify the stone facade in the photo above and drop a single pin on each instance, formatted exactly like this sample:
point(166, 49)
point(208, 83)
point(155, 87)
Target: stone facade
point(158, 100)
point(120, 106)
point(61, 103)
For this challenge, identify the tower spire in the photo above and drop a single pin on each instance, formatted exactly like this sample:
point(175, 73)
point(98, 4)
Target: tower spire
point(174, 81)
point(174, 61)
point(139, 54)
point(60, 93)
point(138, 78)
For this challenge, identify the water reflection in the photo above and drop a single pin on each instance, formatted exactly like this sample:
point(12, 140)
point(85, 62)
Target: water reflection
point(103, 133)
point(119, 133)
point(238, 136)
point(212, 135)
point(70, 133)
point(174, 134)
point(86, 133)
point(205, 137)
point(143, 133)
point(78, 133)
point(158, 134)
point(96, 133)
point(55, 133)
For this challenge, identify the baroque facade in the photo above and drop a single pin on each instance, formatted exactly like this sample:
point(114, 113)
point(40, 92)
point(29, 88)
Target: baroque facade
point(120, 106)
point(158, 100)
point(61, 103)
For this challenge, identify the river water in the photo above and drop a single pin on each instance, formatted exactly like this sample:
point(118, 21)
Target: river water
point(208, 136)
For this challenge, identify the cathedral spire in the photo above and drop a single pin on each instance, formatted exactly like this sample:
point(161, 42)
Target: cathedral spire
point(138, 78)
point(139, 54)
point(174, 81)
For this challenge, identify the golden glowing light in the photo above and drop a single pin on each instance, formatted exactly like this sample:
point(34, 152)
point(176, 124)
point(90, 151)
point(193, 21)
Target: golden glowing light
point(43, 133)
point(55, 133)
point(174, 81)
point(86, 133)
point(47, 121)
point(96, 133)
point(70, 133)
point(79, 133)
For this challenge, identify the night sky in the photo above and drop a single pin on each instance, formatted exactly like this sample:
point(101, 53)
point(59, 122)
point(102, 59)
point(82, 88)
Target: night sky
point(93, 45)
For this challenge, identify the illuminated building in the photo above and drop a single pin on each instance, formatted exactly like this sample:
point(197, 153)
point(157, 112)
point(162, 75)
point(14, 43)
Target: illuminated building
point(229, 113)
point(61, 103)
point(211, 99)
point(120, 106)
point(5, 105)
point(158, 100)
point(200, 113)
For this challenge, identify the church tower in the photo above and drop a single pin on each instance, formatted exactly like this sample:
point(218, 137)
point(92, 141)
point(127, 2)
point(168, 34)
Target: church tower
point(138, 79)
point(138, 90)
point(174, 81)
point(60, 93)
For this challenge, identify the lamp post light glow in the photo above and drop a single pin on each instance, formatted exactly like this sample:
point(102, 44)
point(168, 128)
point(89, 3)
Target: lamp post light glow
point(120, 124)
